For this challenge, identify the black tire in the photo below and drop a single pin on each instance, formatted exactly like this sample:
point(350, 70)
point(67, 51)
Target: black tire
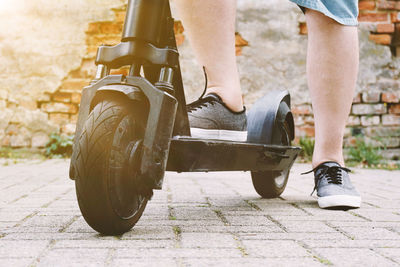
point(271, 184)
point(105, 182)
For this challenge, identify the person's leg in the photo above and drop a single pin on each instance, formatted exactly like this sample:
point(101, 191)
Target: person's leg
point(332, 67)
point(210, 27)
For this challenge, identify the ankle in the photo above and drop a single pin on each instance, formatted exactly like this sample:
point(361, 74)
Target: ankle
point(317, 162)
point(231, 98)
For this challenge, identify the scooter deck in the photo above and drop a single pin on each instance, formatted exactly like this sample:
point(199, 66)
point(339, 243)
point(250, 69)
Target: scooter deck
point(189, 154)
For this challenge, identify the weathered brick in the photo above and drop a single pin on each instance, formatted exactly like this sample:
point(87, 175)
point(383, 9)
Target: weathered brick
point(76, 98)
point(39, 139)
point(366, 5)
point(31, 105)
point(393, 154)
point(394, 109)
point(304, 131)
point(59, 108)
point(373, 17)
point(390, 97)
point(93, 28)
point(120, 15)
point(68, 128)
point(303, 30)
point(73, 118)
point(73, 85)
point(369, 109)
point(383, 39)
point(59, 118)
point(110, 28)
point(120, 71)
point(382, 131)
point(386, 84)
point(385, 28)
point(357, 98)
point(370, 120)
point(371, 97)
point(394, 17)
point(62, 97)
point(391, 119)
point(302, 109)
point(353, 121)
point(386, 5)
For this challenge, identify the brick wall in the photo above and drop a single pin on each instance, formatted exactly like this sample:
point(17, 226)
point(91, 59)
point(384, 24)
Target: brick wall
point(62, 105)
point(375, 111)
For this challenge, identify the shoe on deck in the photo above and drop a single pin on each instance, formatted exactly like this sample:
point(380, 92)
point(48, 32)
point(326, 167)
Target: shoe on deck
point(210, 118)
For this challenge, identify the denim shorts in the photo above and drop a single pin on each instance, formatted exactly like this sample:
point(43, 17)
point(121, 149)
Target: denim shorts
point(343, 11)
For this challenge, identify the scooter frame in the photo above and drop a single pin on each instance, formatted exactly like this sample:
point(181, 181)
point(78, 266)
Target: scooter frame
point(148, 43)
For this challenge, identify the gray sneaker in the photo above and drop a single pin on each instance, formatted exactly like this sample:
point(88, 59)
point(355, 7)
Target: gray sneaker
point(334, 189)
point(210, 118)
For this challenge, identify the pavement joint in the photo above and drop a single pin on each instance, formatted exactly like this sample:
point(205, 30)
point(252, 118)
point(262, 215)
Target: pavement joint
point(251, 204)
point(359, 216)
point(313, 253)
point(384, 256)
point(336, 228)
point(110, 256)
point(300, 208)
point(43, 253)
point(68, 224)
point(33, 214)
point(280, 225)
point(239, 244)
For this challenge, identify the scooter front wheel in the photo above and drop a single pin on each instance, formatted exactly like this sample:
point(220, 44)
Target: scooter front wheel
point(107, 166)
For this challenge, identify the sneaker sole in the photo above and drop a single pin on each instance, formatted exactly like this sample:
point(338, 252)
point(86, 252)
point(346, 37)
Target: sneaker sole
point(239, 136)
point(339, 201)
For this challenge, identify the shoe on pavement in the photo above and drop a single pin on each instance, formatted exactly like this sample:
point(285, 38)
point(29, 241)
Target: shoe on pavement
point(334, 188)
point(210, 118)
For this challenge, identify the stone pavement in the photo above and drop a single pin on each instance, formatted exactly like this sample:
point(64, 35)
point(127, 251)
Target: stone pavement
point(199, 219)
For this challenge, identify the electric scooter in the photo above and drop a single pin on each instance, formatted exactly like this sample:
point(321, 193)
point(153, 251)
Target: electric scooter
point(131, 129)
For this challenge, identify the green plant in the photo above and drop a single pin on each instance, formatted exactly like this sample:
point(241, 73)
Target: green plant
point(7, 153)
point(364, 153)
point(59, 145)
point(307, 146)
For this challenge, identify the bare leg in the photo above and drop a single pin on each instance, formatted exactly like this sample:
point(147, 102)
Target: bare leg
point(332, 66)
point(210, 26)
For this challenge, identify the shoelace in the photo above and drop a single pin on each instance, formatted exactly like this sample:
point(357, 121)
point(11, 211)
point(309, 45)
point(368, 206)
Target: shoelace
point(333, 173)
point(201, 102)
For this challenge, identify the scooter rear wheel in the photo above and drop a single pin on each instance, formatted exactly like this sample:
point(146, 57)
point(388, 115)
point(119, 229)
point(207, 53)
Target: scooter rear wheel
point(107, 165)
point(271, 184)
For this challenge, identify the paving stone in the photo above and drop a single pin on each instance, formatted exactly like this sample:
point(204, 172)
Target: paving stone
point(249, 220)
point(21, 248)
point(150, 232)
point(114, 243)
point(194, 213)
point(370, 233)
point(349, 243)
point(214, 219)
point(19, 262)
point(392, 253)
point(273, 249)
point(74, 257)
point(355, 256)
point(303, 261)
point(153, 253)
point(209, 240)
point(144, 262)
point(292, 236)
